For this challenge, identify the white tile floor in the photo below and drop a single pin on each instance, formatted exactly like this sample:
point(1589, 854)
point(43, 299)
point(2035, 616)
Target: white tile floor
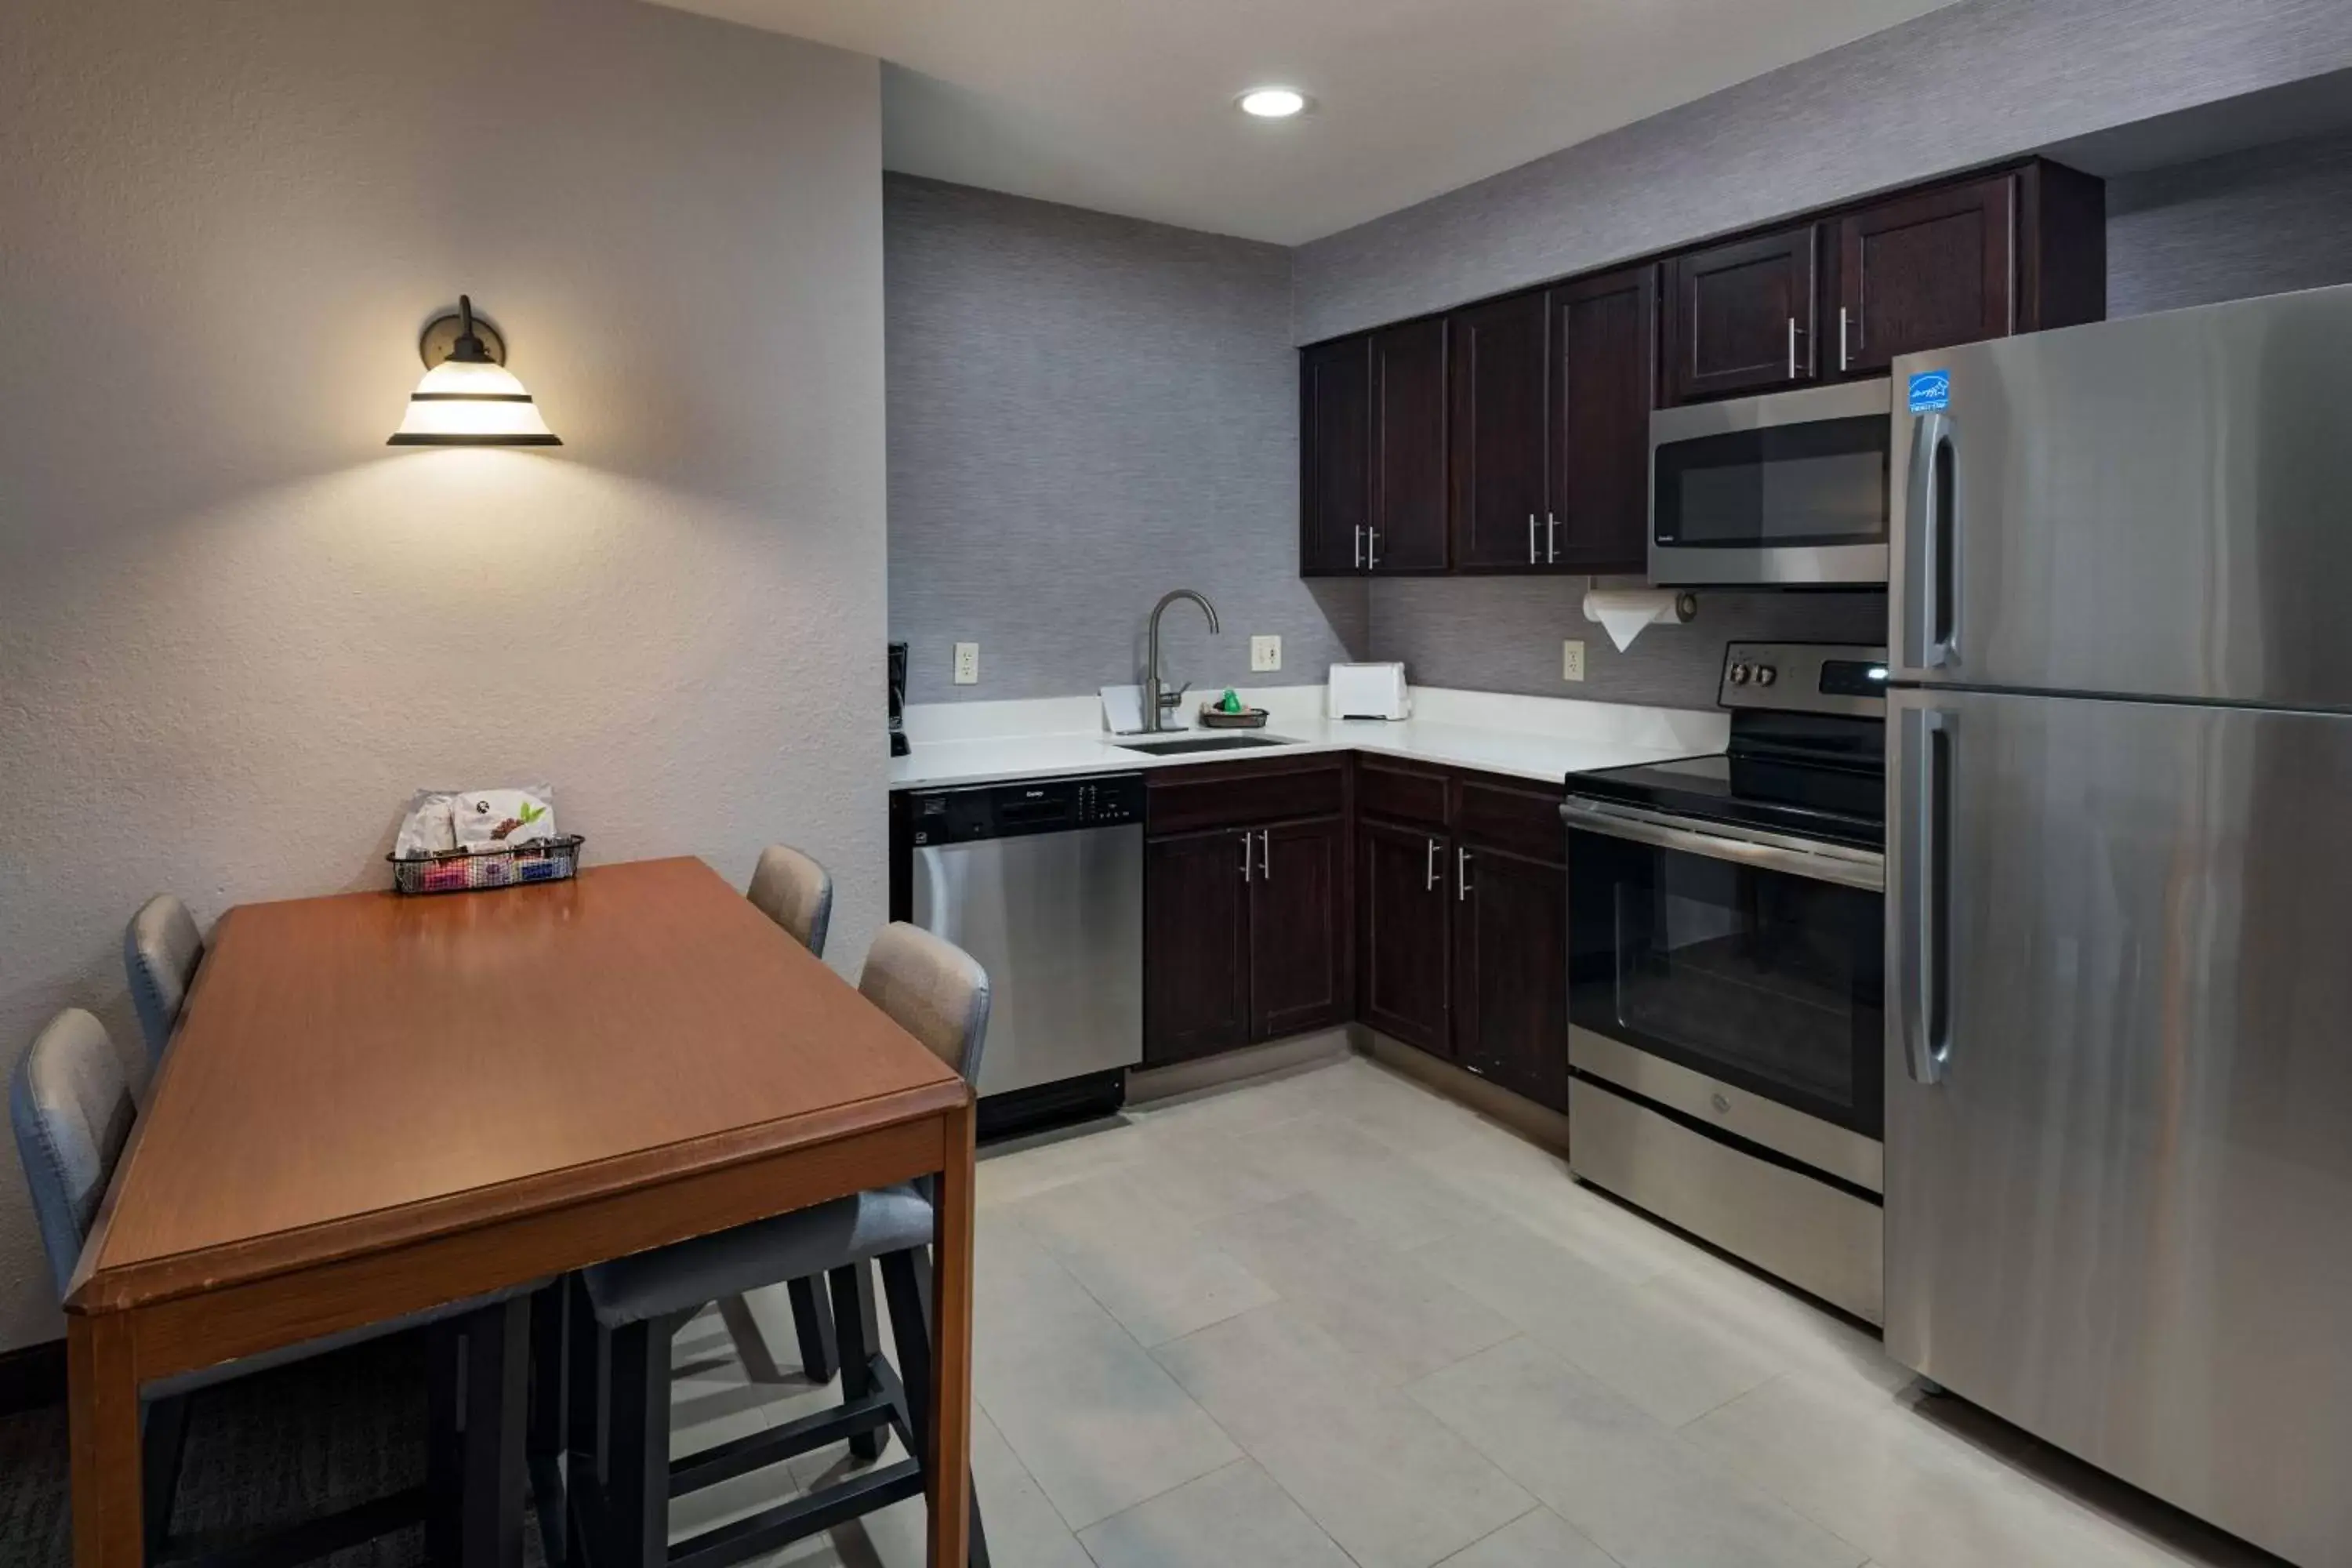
point(1333, 1318)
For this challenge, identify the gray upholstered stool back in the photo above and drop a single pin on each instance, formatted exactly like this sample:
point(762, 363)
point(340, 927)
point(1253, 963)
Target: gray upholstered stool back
point(795, 893)
point(162, 950)
point(934, 990)
point(71, 1108)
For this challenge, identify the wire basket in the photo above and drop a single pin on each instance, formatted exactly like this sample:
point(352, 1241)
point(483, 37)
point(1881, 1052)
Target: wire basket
point(1218, 719)
point(470, 870)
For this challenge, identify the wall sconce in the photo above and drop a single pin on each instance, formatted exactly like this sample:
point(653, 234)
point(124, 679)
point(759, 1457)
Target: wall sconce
point(468, 397)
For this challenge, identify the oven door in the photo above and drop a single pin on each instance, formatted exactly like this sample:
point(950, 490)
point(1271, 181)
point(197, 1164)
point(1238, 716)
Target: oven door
point(1790, 488)
point(1704, 958)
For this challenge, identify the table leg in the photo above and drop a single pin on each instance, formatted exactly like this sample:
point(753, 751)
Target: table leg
point(103, 1419)
point(949, 1464)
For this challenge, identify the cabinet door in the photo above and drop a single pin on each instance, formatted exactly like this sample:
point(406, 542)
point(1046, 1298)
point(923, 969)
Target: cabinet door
point(1195, 946)
point(1740, 316)
point(1496, 447)
point(1510, 967)
point(1926, 272)
point(1604, 383)
point(1299, 950)
point(1408, 512)
point(1335, 430)
point(1402, 954)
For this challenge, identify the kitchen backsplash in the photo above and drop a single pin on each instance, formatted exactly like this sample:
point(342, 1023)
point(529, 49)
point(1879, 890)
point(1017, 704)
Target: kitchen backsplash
point(1504, 634)
point(1086, 410)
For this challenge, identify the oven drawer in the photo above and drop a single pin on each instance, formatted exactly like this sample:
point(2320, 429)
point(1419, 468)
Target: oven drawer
point(1820, 1238)
point(1837, 1150)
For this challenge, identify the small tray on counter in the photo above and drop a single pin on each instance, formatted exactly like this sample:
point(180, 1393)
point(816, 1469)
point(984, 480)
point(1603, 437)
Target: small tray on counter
point(1218, 719)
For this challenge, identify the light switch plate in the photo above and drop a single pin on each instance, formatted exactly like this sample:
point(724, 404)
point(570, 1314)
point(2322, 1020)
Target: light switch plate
point(1571, 660)
point(967, 664)
point(1266, 653)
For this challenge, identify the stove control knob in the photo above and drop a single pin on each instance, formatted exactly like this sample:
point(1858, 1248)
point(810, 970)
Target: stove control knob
point(1766, 675)
point(1738, 675)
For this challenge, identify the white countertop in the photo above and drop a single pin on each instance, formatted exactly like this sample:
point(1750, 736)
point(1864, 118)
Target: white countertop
point(1538, 738)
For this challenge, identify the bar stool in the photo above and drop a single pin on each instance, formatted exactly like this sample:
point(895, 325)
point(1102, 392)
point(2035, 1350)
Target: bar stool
point(622, 1476)
point(71, 1108)
point(161, 948)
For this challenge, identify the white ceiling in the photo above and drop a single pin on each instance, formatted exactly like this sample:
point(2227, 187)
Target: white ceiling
point(1127, 105)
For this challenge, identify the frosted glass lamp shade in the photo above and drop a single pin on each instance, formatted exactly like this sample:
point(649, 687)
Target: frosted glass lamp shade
point(470, 400)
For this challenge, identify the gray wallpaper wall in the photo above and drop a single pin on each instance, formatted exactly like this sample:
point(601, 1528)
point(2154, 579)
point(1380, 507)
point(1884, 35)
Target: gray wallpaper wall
point(1970, 84)
point(1085, 412)
point(2258, 222)
point(1503, 634)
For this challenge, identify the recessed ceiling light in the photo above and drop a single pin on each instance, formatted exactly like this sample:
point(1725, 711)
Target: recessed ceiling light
point(1272, 103)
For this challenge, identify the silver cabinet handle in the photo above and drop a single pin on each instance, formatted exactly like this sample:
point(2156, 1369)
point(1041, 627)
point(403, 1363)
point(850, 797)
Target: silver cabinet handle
point(1923, 951)
point(1429, 868)
point(1793, 348)
point(1265, 855)
point(1552, 539)
point(1841, 353)
point(1245, 855)
point(1372, 548)
point(1358, 562)
point(1531, 538)
point(1462, 889)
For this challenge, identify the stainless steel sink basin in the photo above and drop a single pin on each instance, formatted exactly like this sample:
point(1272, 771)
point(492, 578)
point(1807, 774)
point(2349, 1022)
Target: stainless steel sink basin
point(1177, 745)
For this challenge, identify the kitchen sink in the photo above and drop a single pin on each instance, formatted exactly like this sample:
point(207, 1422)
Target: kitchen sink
point(1178, 745)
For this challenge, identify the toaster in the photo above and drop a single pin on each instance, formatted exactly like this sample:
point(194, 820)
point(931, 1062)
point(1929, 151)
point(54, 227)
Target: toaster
point(1368, 691)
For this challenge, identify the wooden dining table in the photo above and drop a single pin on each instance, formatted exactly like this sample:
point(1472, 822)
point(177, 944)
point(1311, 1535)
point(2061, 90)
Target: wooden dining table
point(375, 1105)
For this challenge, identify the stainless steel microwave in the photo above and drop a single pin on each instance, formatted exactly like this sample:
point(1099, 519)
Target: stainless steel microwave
point(1788, 490)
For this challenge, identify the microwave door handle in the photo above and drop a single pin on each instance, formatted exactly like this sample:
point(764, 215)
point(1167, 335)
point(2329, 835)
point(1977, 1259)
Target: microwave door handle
point(1933, 568)
point(1924, 941)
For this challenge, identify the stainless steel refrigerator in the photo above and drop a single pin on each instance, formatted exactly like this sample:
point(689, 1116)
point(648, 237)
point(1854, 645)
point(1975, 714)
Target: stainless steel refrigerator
point(2119, 900)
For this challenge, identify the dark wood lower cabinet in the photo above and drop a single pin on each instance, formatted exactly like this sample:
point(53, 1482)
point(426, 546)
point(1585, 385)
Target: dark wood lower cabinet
point(1510, 954)
point(1403, 915)
point(1196, 997)
point(1299, 959)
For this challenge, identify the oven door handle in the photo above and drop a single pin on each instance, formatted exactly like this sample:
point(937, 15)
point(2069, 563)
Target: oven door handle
point(1848, 867)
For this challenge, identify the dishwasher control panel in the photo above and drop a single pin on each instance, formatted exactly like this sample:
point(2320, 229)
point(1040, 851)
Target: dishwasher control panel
point(1011, 810)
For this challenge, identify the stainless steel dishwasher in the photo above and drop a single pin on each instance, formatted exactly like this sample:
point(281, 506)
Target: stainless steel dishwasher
point(1042, 881)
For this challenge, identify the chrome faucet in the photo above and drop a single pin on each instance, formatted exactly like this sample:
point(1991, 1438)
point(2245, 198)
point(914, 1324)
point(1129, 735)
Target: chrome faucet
point(1153, 703)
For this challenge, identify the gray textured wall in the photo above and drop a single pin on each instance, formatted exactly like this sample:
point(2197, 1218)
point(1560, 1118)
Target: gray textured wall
point(1970, 84)
point(236, 631)
point(2258, 222)
point(1503, 634)
point(1086, 410)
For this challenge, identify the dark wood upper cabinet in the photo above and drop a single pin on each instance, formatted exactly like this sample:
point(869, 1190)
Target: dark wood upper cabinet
point(1497, 444)
point(1403, 913)
point(1335, 432)
point(1926, 272)
point(1299, 964)
point(1196, 945)
point(1740, 316)
point(1604, 383)
point(1510, 958)
point(1408, 483)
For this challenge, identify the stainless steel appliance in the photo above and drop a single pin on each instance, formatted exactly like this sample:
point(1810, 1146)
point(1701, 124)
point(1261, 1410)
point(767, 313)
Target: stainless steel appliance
point(1042, 882)
point(2119, 908)
point(1788, 489)
point(1726, 966)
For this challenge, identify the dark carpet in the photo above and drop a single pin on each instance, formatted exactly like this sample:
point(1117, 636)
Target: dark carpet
point(263, 1452)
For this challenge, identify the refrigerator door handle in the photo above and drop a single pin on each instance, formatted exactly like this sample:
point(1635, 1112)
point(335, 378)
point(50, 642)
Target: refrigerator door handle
point(1923, 1000)
point(1933, 483)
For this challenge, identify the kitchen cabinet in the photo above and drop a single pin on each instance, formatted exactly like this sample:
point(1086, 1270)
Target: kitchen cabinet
point(1496, 446)
point(2016, 252)
point(1740, 317)
point(1510, 955)
point(1247, 932)
point(1334, 435)
point(1408, 444)
point(1605, 382)
point(1402, 922)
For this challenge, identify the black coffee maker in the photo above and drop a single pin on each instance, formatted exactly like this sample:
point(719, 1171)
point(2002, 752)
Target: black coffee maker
point(897, 700)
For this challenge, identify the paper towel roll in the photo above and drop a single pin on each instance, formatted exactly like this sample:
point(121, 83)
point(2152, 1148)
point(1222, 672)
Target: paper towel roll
point(1624, 612)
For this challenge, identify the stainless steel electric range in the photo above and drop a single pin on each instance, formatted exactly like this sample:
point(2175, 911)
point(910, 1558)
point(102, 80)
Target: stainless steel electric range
point(1727, 974)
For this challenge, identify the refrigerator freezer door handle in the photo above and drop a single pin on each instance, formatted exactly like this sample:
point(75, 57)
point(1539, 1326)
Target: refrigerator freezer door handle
point(1923, 1001)
point(1934, 565)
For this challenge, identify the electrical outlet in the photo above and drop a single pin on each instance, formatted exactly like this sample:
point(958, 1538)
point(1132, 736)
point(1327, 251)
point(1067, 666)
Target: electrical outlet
point(1266, 653)
point(1571, 660)
point(967, 664)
